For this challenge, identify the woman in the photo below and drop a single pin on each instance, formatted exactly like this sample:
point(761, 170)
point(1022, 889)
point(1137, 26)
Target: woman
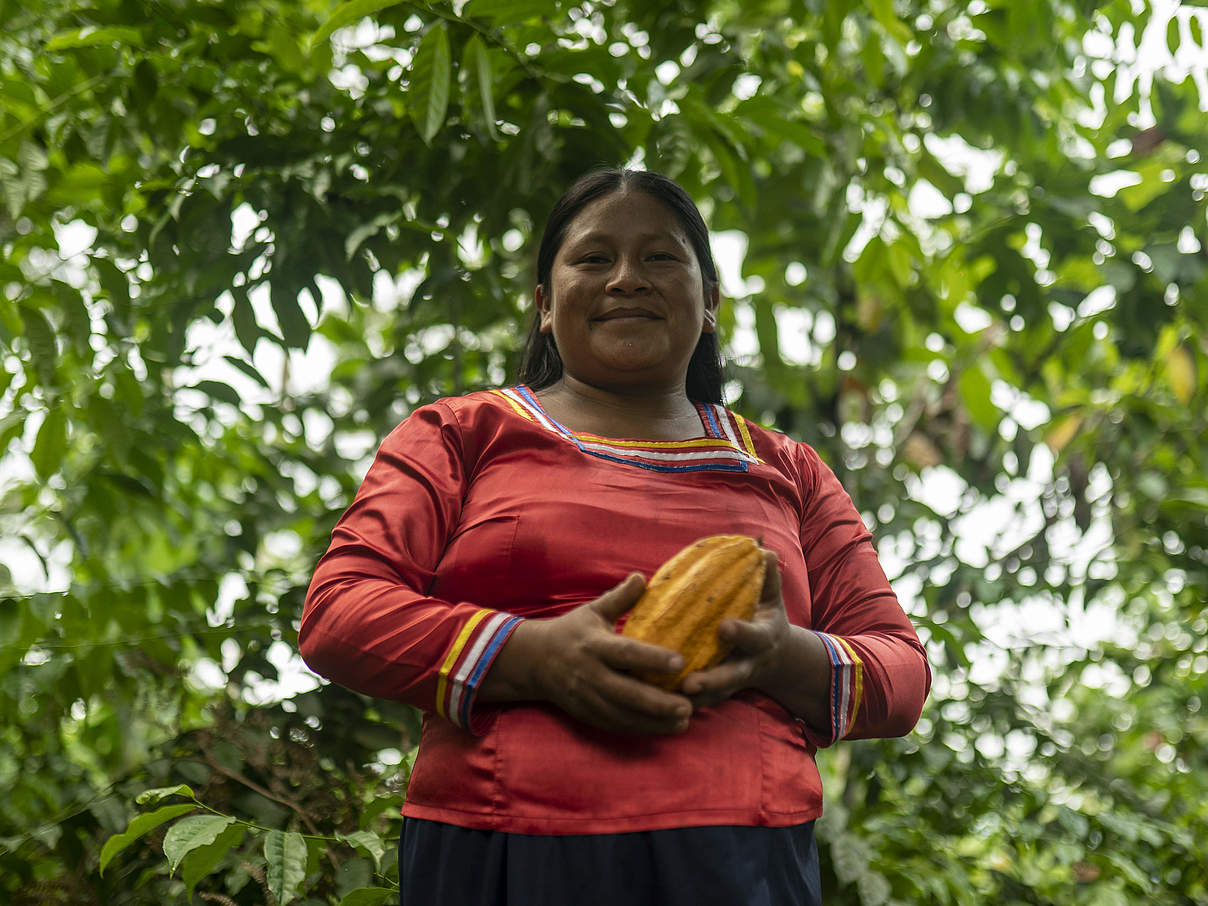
point(499, 537)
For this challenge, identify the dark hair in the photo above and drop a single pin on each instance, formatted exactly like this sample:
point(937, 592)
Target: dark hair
point(540, 363)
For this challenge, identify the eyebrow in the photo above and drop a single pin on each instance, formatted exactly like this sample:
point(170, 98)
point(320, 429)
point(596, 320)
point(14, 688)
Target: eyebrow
point(597, 236)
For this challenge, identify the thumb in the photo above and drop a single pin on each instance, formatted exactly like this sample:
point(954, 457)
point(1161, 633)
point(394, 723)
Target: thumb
point(771, 579)
point(617, 601)
point(746, 637)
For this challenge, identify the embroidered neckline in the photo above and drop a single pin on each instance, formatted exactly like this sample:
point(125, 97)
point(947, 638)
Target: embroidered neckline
point(725, 444)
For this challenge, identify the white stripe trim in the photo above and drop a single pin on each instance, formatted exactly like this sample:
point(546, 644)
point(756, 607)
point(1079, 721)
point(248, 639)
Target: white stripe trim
point(536, 413)
point(632, 453)
point(728, 448)
point(723, 419)
point(485, 633)
point(844, 677)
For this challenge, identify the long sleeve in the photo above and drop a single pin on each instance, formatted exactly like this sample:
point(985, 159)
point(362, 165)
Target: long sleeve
point(369, 623)
point(879, 671)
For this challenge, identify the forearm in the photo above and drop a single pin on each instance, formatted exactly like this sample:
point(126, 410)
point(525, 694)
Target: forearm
point(384, 639)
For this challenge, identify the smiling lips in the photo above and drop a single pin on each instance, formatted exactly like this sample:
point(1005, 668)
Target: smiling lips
point(616, 314)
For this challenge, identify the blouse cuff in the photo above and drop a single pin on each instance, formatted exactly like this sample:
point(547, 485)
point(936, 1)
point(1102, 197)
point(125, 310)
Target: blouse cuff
point(466, 663)
point(846, 686)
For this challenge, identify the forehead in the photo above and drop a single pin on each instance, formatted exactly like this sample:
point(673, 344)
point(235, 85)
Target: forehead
point(626, 214)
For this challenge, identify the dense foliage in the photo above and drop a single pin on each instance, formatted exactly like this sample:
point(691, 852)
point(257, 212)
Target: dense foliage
point(242, 239)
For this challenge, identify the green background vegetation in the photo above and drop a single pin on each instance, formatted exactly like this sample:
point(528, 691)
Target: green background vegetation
point(944, 285)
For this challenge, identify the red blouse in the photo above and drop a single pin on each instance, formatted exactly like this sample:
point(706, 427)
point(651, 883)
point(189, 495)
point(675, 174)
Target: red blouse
point(481, 510)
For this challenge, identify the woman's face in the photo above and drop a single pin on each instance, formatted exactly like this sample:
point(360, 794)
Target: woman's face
point(627, 302)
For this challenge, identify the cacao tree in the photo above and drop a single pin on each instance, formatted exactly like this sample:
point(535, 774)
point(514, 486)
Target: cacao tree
point(964, 246)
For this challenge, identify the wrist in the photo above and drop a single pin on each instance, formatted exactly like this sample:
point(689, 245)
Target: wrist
point(775, 670)
point(531, 674)
point(798, 675)
point(515, 673)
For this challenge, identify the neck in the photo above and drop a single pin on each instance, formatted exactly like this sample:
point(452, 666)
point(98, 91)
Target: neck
point(663, 415)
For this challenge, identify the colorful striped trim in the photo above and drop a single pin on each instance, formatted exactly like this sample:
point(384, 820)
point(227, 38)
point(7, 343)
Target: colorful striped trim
point(847, 684)
point(726, 446)
point(467, 661)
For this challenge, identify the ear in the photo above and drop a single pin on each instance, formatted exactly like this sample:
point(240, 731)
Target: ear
point(712, 302)
point(545, 315)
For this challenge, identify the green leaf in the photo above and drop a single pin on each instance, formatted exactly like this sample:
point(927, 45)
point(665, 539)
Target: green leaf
point(898, 257)
point(161, 793)
point(365, 230)
point(295, 329)
point(76, 320)
point(512, 11)
point(91, 36)
point(975, 392)
point(43, 346)
point(1151, 186)
point(248, 369)
point(883, 12)
point(348, 14)
point(51, 442)
point(188, 834)
point(1192, 497)
point(203, 859)
point(952, 643)
point(217, 390)
point(431, 74)
point(149, 797)
point(767, 329)
point(366, 842)
point(780, 120)
point(286, 857)
point(13, 186)
point(368, 896)
point(115, 283)
point(282, 44)
point(33, 163)
point(139, 825)
point(477, 62)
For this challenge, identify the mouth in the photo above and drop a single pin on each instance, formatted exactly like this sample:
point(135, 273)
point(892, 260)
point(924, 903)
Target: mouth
point(628, 314)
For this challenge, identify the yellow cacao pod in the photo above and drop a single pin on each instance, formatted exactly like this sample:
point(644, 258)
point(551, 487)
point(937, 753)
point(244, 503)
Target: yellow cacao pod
point(685, 601)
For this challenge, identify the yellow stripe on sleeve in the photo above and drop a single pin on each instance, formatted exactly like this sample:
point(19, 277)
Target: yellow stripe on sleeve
point(454, 652)
point(857, 681)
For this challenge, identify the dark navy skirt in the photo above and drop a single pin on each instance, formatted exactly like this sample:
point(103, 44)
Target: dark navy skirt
point(694, 866)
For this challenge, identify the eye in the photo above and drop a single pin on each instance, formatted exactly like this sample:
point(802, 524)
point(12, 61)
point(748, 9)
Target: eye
point(662, 256)
point(593, 258)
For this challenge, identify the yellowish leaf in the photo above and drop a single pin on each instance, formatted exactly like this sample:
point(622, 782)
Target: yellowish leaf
point(1180, 371)
point(1063, 432)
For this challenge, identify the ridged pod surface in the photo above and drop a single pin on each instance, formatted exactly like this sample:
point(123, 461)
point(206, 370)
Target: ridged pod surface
point(711, 580)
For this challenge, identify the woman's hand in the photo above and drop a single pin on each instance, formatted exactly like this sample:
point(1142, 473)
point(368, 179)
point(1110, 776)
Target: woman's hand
point(578, 662)
point(785, 662)
point(760, 646)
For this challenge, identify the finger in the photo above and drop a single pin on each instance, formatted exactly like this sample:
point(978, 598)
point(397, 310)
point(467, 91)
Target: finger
point(747, 635)
point(636, 707)
point(636, 694)
point(595, 675)
point(621, 653)
point(707, 700)
point(771, 578)
point(618, 600)
point(723, 680)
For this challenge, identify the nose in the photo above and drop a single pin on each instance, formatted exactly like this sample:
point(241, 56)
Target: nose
point(628, 276)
